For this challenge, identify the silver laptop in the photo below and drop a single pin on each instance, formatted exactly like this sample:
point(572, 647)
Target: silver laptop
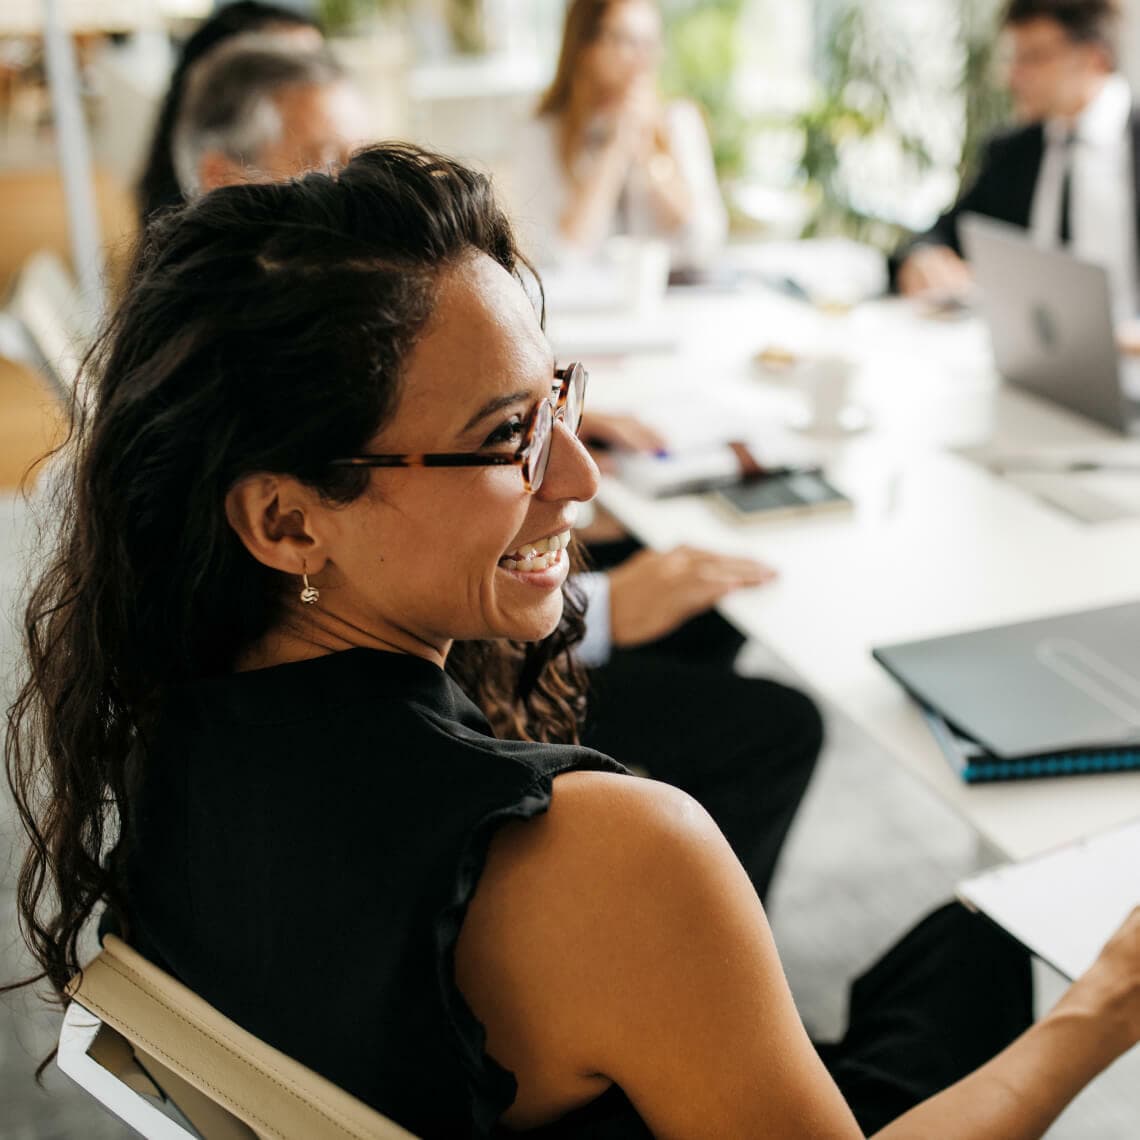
point(1050, 319)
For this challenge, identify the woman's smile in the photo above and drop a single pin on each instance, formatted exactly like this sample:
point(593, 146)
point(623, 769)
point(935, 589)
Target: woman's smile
point(541, 562)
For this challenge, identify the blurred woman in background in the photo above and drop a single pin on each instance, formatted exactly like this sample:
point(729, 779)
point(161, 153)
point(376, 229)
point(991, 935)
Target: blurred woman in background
point(606, 155)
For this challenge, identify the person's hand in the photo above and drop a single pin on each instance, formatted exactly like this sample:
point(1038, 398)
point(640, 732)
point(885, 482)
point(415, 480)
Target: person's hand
point(1128, 337)
point(1109, 990)
point(934, 269)
point(653, 593)
point(627, 433)
point(637, 118)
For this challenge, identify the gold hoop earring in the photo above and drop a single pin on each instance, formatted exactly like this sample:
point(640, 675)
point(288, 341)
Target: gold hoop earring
point(310, 595)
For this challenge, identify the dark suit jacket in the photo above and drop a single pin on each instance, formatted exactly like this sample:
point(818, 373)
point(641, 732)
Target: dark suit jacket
point(1003, 188)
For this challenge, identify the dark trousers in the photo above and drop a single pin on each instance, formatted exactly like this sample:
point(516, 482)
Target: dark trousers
point(743, 747)
point(951, 994)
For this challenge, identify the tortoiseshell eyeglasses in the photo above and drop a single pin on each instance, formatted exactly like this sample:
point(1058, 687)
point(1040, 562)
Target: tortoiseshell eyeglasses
point(533, 453)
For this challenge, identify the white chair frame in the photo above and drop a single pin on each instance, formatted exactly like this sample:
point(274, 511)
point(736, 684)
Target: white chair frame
point(76, 1039)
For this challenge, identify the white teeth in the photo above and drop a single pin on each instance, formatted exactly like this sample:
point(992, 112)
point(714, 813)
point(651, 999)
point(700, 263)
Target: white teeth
point(550, 545)
point(532, 565)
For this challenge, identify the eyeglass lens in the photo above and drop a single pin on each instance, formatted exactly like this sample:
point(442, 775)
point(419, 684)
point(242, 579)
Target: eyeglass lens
point(575, 398)
point(544, 425)
point(540, 453)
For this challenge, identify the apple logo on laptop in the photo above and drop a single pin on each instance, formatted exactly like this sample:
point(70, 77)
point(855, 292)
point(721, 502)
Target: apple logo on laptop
point(1044, 325)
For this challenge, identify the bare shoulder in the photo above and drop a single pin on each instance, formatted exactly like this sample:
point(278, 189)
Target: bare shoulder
point(619, 834)
point(617, 938)
point(636, 808)
point(570, 906)
point(601, 828)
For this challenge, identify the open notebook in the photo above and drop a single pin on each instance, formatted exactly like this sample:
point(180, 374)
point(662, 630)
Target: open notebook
point(1064, 905)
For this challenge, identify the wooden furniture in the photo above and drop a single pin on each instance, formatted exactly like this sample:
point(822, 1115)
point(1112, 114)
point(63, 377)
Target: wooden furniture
point(32, 422)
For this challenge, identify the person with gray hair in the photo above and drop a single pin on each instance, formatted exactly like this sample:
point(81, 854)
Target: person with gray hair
point(259, 109)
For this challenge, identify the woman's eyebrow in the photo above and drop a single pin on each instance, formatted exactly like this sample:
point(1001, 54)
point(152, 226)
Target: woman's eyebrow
point(497, 404)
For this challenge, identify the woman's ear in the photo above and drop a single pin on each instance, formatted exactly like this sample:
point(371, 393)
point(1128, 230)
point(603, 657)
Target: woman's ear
point(274, 518)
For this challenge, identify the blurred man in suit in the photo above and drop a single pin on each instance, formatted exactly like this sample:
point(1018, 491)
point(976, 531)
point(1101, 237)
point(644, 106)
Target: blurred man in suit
point(1068, 173)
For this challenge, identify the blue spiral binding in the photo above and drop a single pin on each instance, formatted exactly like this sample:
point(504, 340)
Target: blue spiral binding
point(1068, 764)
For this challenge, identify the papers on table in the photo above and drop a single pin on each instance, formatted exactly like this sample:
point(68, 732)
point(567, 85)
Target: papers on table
point(698, 421)
point(1065, 905)
point(1093, 483)
point(688, 472)
point(696, 416)
point(696, 469)
point(826, 271)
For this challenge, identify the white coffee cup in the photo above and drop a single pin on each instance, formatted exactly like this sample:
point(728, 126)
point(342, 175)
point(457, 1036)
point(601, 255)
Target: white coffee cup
point(826, 385)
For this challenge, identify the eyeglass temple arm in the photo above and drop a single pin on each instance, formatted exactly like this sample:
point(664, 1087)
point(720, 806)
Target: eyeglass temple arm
point(429, 459)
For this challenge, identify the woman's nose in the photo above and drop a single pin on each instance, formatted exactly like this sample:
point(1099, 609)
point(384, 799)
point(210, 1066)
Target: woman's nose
point(571, 472)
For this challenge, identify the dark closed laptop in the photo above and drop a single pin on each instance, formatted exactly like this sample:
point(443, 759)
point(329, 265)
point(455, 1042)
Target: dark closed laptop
point(1058, 684)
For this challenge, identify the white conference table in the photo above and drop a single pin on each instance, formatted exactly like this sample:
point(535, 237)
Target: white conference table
point(935, 545)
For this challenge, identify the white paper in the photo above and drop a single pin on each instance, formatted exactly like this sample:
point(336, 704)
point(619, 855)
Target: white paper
point(700, 468)
point(679, 474)
point(1067, 904)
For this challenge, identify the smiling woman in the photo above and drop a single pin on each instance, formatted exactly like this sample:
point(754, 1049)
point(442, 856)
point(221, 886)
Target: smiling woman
point(214, 530)
point(400, 567)
point(291, 699)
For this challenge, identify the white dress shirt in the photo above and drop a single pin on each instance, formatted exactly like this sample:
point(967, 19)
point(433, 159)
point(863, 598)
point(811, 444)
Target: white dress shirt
point(540, 190)
point(596, 646)
point(1102, 211)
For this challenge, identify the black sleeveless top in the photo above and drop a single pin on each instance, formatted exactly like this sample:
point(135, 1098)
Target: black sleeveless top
point(306, 843)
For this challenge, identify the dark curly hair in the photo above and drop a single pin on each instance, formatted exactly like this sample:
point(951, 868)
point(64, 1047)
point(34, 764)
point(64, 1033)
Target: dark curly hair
point(208, 373)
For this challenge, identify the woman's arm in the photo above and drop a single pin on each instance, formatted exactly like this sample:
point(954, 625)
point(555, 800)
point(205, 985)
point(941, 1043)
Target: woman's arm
point(555, 212)
point(617, 939)
point(667, 190)
point(592, 201)
point(691, 197)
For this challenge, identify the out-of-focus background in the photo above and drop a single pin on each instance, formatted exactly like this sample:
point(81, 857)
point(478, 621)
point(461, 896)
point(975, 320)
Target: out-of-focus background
point(829, 116)
point(855, 117)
